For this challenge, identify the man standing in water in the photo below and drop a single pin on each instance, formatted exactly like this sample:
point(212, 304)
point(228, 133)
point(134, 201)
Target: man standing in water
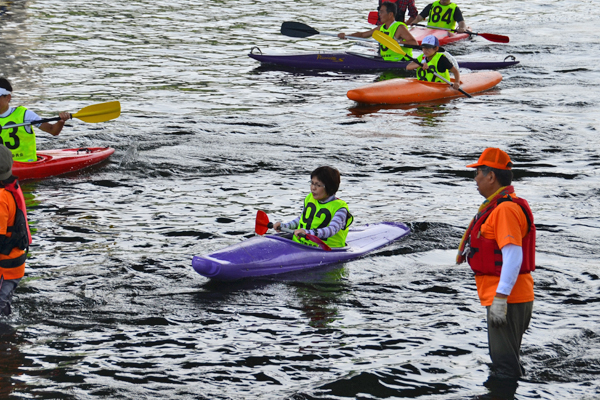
point(14, 232)
point(499, 245)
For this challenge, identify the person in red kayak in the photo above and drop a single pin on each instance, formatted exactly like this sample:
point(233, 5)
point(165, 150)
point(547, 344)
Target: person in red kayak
point(499, 246)
point(21, 140)
point(434, 62)
point(402, 6)
point(323, 214)
point(393, 28)
point(15, 237)
point(442, 14)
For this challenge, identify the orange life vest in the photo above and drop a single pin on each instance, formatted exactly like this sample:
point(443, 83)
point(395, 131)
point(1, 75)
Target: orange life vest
point(20, 235)
point(484, 255)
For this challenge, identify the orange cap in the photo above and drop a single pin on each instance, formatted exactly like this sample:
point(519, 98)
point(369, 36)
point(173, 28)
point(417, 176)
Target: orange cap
point(493, 158)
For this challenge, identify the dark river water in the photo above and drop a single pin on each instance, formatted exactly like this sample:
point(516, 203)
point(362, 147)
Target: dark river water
point(110, 306)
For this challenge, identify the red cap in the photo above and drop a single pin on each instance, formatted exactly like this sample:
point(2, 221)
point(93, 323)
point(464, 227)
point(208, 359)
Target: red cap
point(493, 158)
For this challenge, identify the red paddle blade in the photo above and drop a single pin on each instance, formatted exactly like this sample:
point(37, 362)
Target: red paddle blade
point(494, 38)
point(373, 17)
point(318, 241)
point(262, 222)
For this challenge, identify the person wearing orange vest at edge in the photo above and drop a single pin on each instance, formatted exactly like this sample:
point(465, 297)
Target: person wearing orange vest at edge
point(15, 237)
point(443, 14)
point(391, 27)
point(499, 245)
point(323, 214)
point(21, 141)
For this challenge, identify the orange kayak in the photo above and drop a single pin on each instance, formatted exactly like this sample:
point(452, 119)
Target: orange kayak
point(412, 90)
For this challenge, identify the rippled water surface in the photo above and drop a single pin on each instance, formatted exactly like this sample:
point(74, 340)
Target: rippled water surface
point(110, 306)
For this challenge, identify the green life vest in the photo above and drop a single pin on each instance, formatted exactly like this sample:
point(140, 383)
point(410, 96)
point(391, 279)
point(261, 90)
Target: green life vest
point(20, 141)
point(387, 54)
point(319, 215)
point(427, 75)
point(442, 16)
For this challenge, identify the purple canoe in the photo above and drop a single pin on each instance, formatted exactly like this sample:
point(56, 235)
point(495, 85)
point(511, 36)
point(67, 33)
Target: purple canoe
point(277, 254)
point(349, 61)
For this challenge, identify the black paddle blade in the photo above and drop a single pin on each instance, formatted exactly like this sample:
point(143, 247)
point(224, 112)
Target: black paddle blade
point(297, 29)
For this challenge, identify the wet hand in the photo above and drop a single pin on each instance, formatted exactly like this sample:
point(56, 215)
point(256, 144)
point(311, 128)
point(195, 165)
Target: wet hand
point(300, 233)
point(498, 311)
point(64, 116)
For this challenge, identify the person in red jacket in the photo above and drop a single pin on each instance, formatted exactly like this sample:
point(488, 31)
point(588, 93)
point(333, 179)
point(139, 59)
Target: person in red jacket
point(402, 6)
point(15, 237)
point(499, 245)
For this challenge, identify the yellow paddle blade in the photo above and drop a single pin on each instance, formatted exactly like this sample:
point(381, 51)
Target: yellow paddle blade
point(99, 112)
point(388, 42)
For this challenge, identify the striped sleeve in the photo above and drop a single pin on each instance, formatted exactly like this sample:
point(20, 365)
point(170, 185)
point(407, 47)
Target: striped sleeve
point(338, 222)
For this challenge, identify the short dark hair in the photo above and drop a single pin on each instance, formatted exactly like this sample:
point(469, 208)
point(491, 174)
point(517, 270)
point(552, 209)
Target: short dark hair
point(5, 84)
point(504, 176)
point(390, 7)
point(330, 178)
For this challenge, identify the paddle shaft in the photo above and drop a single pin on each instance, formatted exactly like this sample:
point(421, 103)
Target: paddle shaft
point(359, 38)
point(39, 121)
point(101, 112)
point(286, 230)
point(347, 37)
point(305, 236)
point(298, 29)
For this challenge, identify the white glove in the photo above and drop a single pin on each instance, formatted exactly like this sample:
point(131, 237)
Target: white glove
point(498, 312)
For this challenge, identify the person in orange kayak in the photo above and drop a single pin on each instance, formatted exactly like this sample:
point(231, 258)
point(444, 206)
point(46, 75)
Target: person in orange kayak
point(393, 28)
point(434, 62)
point(323, 214)
point(443, 14)
point(21, 140)
point(15, 237)
point(499, 246)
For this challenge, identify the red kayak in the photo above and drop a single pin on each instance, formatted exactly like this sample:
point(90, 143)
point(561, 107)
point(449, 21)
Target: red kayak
point(443, 36)
point(60, 161)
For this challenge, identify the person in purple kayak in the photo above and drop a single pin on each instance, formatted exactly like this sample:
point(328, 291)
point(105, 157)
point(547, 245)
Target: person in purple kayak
point(323, 214)
point(442, 14)
point(392, 28)
point(21, 140)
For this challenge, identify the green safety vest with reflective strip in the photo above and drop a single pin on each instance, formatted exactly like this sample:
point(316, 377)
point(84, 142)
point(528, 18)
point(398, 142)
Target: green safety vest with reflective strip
point(388, 54)
point(442, 16)
point(319, 215)
point(18, 140)
point(427, 75)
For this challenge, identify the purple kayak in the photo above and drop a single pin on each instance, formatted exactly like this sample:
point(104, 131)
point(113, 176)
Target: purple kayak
point(349, 61)
point(278, 254)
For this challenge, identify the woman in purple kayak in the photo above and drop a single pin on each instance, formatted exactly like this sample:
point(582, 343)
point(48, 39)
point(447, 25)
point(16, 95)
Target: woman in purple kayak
point(323, 215)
